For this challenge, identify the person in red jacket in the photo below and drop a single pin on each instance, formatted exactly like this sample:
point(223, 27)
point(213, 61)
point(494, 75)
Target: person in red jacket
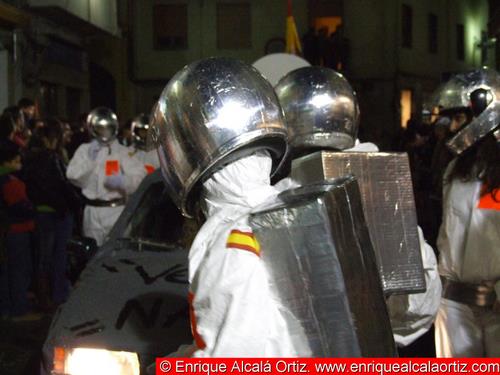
point(15, 269)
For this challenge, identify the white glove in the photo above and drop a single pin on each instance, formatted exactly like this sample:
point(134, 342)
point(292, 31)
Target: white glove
point(94, 149)
point(115, 182)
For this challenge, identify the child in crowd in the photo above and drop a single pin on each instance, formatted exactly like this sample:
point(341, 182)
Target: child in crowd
point(15, 264)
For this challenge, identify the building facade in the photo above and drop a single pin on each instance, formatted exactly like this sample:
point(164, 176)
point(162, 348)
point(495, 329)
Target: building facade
point(398, 51)
point(75, 55)
point(69, 56)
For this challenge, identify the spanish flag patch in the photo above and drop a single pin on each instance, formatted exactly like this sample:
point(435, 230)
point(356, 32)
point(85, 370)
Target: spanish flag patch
point(243, 241)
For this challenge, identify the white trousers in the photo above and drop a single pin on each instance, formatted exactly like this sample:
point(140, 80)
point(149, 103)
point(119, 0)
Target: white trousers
point(98, 221)
point(466, 331)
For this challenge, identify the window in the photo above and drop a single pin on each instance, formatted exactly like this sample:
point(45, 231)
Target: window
point(406, 26)
point(432, 33)
point(170, 26)
point(157, 222)
point(234, 26)
point(484, 47)
point(460, 42)
point(405, 103)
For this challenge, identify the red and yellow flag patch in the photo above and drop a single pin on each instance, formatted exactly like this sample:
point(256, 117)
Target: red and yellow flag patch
point(244, 241)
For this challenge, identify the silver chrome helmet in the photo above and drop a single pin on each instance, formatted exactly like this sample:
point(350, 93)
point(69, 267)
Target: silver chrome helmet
point(477, 91)
point(103, 124)
point(212, 112)
point(139, 129)
point(321, 109)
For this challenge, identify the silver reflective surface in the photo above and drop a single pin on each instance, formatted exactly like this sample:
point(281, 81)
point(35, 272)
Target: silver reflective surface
point(140, 129)
point(321, 265)
point(103, 124)
point(455, 94)
point(384, 181)
point(485, 123)
point(321, 108)
point(212, 112)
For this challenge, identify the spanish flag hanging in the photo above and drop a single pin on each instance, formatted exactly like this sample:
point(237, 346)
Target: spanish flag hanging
point(292, 37)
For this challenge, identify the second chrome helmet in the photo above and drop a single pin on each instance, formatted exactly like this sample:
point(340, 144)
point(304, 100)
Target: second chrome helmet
point(321, 109)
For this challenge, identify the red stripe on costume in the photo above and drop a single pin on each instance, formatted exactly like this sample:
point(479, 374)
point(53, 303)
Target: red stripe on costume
point(243, 247)
point(198, 340)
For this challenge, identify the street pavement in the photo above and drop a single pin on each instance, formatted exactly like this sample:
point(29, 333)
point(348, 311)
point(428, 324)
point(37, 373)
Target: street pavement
point(21, 345)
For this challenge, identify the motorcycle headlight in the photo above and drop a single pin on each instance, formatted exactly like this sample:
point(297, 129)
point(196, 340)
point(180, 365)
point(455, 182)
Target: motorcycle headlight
point(85, 361)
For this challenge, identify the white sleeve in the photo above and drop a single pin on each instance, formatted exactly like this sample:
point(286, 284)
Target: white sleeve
point(363, 147)
point(80, 167)
point(412, 315)
point(133, 170)
point(230, 306)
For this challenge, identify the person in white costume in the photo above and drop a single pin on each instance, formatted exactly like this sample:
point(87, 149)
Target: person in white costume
point(149, 158)
point(468, 321)
point(105, 173)
point(322, 112)
point(221, 136)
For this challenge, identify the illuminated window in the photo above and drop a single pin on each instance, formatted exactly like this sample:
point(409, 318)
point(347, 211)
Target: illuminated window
point(170, 26)
point(406, 26)
point(331, 23)
point(433, 33)
point(234, 26)
point(460, 42)
point(405, 103)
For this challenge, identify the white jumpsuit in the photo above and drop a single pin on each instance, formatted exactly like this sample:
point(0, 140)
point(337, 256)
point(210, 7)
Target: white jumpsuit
point(90, 176)
point(149, 159)
point(469, 246)
point(412, 315)
point(233, 312)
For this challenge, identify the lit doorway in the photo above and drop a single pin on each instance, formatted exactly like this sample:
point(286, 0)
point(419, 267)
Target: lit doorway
point(405, 102)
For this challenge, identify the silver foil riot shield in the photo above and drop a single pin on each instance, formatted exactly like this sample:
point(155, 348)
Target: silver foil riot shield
point(323, 270)
point(387, 195)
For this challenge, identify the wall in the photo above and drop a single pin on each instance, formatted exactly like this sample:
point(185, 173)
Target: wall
point(268, 21)
point(380, 67)
point(101, 13)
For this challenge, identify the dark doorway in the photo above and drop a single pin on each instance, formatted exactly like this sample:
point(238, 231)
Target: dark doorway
point(102, 88)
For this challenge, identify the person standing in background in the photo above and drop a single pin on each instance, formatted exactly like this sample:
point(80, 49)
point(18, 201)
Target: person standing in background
point(56, 202)
point(106, 174)
point(468, 320)
point(16, 265)
point(140, 128)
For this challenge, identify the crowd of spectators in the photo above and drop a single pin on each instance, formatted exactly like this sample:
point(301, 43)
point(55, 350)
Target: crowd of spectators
point(40, 210)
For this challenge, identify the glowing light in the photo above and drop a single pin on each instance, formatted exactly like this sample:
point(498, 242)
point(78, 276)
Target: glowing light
point(84, 361)
point(405, 102)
